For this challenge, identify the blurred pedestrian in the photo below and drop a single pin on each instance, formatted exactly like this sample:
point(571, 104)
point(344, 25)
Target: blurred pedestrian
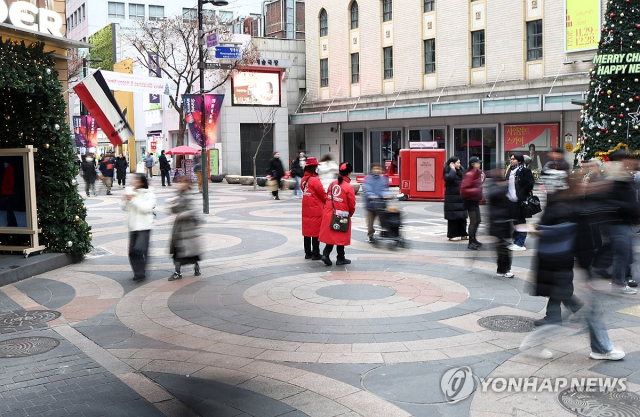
point(89, 174)
point(185, 245)
point(121, 170)
point(557, 161)
point(376, 187)
point(454, 210)
point(149, 162)
point(139, 202)
point(297, 172)
point(275, 174)
point(327, 171)
point(313, 201)
point(107, 170)
point(534, 165)
point(165, 168)
point(500, 222)
point(471, 192)
point(520, 188)
point(341, 201)
point(197, 168)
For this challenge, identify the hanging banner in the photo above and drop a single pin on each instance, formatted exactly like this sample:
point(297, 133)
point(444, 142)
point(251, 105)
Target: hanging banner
point(192, 105)
point(118, 81)
point(154, 65)
point(80, 132)
point(92, 131)
point(582, 30)
point(518, 136)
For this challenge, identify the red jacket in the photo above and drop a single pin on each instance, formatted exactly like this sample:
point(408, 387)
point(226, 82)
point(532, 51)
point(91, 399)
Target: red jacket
point(313, 201)
point(344, 199)
point(471, 187)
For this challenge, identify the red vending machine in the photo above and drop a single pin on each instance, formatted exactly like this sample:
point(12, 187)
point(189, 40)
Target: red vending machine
point(421, 174)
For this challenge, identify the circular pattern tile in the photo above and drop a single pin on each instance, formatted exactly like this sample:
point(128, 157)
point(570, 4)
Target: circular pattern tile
point(600, 403)
point(27, 346)
point(20, 319)
point(356, 292)
point(510, 324)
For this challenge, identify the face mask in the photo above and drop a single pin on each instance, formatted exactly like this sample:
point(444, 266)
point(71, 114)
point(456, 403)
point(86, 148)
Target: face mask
point(89, 159)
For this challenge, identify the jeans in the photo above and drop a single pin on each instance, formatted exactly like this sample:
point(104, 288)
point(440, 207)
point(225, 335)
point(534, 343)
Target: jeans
point(504, 256)
point(554, 312)
point(311, 246)
point(328, 248)
point(620, 236)
point(297, 191)
point(600, 342)
point(166, 174)
point(518, 237)
point(138, 251)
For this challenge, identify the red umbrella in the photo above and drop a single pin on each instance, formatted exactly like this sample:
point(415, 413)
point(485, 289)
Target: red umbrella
point(182, 150)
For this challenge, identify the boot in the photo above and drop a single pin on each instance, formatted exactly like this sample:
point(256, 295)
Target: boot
point(197, 270)
point(475, 241)
point(326, 260)
point(343, 261)
point(472, 246)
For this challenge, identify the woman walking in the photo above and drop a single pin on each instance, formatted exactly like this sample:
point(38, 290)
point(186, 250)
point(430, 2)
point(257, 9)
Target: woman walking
point(327, 171)
point(185, 244)
point(139, 202)
point(121, 170)
point(471, 192)
point(454, 210)
point(341, 201)
point(313, 201)
point(275, 173)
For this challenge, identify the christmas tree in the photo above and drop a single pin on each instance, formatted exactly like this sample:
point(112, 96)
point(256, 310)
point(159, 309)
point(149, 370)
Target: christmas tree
point(33, 113)
point(611, 116)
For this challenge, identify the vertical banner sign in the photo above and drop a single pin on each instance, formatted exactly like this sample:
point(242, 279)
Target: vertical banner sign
point(92, 131)
point(154, 71)
point(192, 104)
point(80, 132)
point(582, 31)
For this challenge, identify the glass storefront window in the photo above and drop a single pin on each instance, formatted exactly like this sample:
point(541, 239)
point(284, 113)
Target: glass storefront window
point(480, 142)
point(428, 135)
point(353, 150)
point(385, 145)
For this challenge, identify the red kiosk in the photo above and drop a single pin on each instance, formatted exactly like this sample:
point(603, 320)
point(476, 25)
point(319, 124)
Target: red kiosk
point(421, 174)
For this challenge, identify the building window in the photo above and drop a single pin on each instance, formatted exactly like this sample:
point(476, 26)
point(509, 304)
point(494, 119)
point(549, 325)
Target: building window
point(388, 62)
point(477, 49)
point(324, 24)
point(324, 72)
point(355, 68)
point(136, 11)
point(83, 15)
point(387, 10)
point(429, 5)
point(354, 15)
point(156, 12)
point(430, 56)
point(116, 10)
point(534, 40)
point(189, 15)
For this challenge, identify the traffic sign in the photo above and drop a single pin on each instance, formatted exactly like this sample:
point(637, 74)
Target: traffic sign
point(228, 52)
point(212, 40)
point(217, 66)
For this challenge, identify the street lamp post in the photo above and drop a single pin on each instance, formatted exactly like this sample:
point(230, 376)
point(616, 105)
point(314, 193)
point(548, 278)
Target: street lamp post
point(204, 156)
point(83, 109)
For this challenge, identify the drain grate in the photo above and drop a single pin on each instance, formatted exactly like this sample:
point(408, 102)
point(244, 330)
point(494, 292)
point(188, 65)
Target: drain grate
point(27, 346)
point(97, 252)
point(512, 324)
point(25, 319)
point(597, 402)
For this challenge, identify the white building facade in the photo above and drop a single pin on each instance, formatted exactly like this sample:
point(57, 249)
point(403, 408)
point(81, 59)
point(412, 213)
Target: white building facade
point(477, 78)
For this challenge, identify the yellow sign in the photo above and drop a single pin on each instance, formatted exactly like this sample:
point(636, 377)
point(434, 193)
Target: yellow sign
point(582, 29)
point(568, 146)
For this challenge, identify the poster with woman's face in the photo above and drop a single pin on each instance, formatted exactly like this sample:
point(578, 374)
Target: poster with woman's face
point(13, 201)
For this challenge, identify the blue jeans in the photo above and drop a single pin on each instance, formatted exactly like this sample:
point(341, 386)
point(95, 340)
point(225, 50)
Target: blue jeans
point(518, 237)
point(620, 236)
point(600, 342)
point(297, 191)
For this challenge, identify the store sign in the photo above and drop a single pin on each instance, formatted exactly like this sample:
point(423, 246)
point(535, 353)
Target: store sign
point(25, 15)
point(518, 136)
point(582, 30)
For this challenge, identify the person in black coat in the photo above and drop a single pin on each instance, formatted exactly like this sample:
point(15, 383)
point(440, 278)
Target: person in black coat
point(520, 187)
point(121, 170)
point(500, 223)
point(89, 174)
point(454, 210)
point(276, 172)
point(165, 169)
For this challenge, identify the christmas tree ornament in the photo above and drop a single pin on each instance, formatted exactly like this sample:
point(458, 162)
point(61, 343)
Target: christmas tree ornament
point(48, 71)
point(74, 182)
point(46, 146)
point(77, 218)
point(56, 126)
point(69, 243)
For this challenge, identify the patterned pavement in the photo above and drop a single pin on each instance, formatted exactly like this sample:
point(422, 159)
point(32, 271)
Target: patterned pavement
point(264, 332)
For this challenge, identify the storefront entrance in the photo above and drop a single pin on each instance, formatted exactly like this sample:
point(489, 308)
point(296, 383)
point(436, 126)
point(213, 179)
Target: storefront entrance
point(475, 141)
point(385, 145)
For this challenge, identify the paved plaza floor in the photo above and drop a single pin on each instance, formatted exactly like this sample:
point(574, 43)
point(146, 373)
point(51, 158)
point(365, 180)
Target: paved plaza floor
point(264, 332)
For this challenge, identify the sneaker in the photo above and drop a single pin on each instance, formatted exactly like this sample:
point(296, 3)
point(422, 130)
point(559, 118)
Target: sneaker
point(276, 198)
point(464, 238)
point(472, 246)
point(612, 355)
point(196, 271)
point(516, 248)
point(175, 276)
point(455, 239)
point(505, 275)
point(370, 239)
point(632, 283)
point(623, 290)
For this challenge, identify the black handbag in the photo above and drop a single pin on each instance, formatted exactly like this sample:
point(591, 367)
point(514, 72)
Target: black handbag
point(338, 223)
point(531, 206)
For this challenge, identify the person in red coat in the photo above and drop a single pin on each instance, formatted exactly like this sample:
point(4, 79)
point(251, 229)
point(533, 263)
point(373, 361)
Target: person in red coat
point(344, 200)
point(471, 192)
point(313, 199)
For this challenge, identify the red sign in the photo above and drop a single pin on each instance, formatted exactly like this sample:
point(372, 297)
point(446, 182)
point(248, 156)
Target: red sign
point(518, 136)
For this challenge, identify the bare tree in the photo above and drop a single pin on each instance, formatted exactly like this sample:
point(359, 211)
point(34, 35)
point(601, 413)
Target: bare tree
point(265, 116)
point(175, 41)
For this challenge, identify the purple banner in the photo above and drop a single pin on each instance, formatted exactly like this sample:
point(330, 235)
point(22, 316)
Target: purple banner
point(154, 98)
point(80, 132)
point(154, 65)
point(192, 105)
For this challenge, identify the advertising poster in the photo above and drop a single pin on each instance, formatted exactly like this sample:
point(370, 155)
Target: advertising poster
point(92, 131)
point(80, 132)
point(426, 174)
point(520, 136)
point(13, 199)
point(582, 31)
point(192, 104)
point(256, 89)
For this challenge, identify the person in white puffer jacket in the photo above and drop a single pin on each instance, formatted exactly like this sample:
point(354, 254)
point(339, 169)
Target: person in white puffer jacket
point(139, 202)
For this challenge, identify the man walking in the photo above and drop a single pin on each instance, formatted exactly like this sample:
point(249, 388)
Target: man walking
point(376, 187)
point(520, 180)
point(149, 163)
point(165, 168)
point(297, 172)
point(106, 169)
